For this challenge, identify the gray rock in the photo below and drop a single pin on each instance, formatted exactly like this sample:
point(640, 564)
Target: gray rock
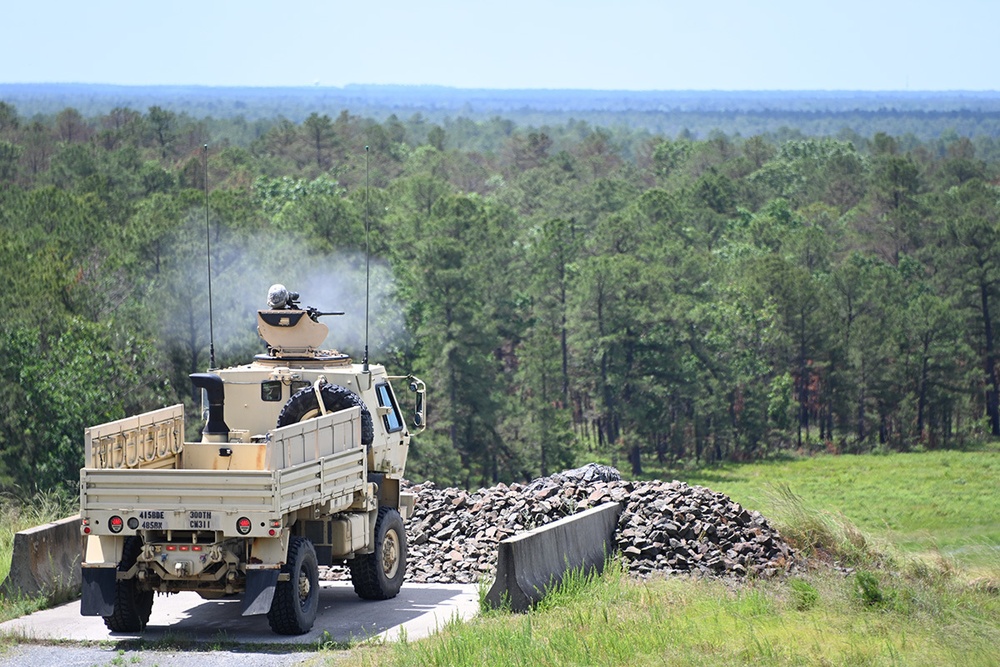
point(665, 527)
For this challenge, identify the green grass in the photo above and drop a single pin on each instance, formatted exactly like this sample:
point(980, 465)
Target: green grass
point(920, 532)
point(17, 514)
point(616, 620)
point(938, 503)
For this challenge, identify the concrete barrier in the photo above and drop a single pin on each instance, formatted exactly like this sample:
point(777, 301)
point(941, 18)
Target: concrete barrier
point(46, 561)
point(530, 564)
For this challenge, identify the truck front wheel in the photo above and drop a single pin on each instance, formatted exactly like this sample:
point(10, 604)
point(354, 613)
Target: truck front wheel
point(132, 605)
point(296, 601)
point(379, 575)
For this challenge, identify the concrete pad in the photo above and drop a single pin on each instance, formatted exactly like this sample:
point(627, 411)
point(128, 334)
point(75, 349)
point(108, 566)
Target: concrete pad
point(418, 611)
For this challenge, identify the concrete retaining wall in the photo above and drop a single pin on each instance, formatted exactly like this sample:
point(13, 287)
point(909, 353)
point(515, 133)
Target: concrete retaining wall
point(530, 564)
point(46, 561)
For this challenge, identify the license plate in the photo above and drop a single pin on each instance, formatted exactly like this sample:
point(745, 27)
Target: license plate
point(192, 520)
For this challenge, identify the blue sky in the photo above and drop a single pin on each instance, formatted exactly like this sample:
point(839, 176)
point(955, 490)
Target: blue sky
point(590, 44)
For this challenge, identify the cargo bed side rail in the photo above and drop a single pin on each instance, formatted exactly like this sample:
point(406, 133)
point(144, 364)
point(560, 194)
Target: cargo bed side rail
point(150, 440)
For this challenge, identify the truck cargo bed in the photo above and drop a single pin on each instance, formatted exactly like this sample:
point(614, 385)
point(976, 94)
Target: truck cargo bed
point(318, 463)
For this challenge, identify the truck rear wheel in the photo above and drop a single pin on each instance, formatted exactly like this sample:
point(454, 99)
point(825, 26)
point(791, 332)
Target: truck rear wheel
point(132, 605)
point(379, 575)
point(303, 405)
point(296, 601)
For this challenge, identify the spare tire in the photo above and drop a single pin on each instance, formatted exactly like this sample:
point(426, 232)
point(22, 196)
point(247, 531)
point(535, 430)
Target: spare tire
point(303, 405)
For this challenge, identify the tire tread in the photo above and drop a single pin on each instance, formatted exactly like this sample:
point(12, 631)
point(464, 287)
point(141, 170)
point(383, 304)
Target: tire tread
point(366, 570)
point(285, 617)
point(131, 612)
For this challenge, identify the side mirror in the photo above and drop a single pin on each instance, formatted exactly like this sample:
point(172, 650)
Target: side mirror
point(418, 409)
point(419, 389)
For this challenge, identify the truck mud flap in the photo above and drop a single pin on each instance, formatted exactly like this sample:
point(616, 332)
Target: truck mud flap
point(259, 592)
point(98, 598)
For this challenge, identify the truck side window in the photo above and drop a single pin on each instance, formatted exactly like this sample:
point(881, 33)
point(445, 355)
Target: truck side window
point(270, 390)
point(300, 384)
point(392, 420)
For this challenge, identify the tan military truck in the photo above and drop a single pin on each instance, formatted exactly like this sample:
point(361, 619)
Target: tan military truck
point(299, 465)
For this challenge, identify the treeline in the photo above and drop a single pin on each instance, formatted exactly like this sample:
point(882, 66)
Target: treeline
point(576, 292)
point(247, 112)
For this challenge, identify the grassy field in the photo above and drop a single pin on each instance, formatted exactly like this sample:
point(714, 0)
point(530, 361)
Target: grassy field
point(820, 620)
point(919, 531)
point(934, 503)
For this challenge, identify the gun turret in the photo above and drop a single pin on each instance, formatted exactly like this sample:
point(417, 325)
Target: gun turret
point(290, 330)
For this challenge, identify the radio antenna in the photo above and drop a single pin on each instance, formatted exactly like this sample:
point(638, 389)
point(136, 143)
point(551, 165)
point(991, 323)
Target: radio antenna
point(208, 246)
point(367, 263)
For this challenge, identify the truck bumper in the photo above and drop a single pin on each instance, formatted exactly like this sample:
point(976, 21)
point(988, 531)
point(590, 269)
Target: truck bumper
point(98, 598)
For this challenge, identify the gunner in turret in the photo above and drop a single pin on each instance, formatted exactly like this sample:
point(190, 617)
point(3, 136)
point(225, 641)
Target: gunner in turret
point(278, 297)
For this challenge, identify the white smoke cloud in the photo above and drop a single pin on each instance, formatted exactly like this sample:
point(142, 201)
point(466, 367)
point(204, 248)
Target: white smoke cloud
point(338, 283)
point(243, 268)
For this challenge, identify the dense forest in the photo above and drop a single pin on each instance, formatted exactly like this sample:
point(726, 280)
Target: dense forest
point(465, 113)
point(567, 291)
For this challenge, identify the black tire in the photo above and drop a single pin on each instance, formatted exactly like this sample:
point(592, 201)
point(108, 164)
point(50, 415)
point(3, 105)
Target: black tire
point(296, 601)
point(302, 405)
point(132, 605)
point(379, 575)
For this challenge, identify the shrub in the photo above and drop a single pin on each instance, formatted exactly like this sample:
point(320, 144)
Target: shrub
point(804, 594)
point(868, 590)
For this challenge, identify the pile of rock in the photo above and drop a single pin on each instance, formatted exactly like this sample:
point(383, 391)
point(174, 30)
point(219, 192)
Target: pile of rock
point(665, 527)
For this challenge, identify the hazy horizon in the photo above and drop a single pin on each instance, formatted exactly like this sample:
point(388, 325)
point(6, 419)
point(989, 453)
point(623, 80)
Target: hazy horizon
point(628, 45)
point(348, 86)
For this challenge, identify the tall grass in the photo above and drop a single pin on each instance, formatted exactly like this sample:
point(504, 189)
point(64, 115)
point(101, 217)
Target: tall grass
point(904, 592)
point(938, 504)
point(19, 512)
point(819, 618)
point(825, 536)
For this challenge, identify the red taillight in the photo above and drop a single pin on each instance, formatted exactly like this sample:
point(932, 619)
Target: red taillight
point(116, 524)
point(243, 525)
point(171, 547)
